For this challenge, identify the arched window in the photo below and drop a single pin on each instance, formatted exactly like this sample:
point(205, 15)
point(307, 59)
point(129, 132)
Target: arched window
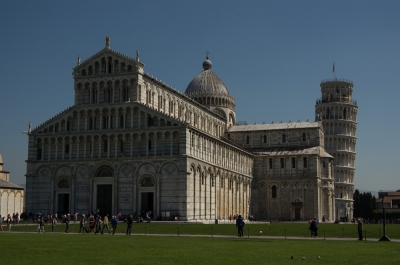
point(274, 191)
point(63, 184)
point(147, 182)
point(125, 94)
point(105, 142)
point(121, 146)
point(104, 172)
point(121, 121)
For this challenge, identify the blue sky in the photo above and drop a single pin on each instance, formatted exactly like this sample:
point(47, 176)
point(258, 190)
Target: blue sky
point(272, 56)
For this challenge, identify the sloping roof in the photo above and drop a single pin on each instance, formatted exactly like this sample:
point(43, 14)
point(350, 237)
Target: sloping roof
point(290, 151)
point(395, 193)
point(390, 199)
point(9, 185)
point(108, 51)
point(274, 126)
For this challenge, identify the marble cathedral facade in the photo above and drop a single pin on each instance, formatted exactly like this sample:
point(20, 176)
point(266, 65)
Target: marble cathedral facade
point(131, 143)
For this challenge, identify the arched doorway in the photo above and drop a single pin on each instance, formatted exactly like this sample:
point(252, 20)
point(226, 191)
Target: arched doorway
point(103, 191)
point(297, 205)
point(147, 189)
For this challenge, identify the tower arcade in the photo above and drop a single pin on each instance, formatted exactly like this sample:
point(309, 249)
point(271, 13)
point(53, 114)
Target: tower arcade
point(338, 112)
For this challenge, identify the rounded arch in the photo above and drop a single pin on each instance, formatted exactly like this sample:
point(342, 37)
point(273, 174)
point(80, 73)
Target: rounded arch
point(104, 170)
point(43, 171)
point(297, 199)
point(146, 167)
point(63, 183)
point(169, 168)
point(147, 180)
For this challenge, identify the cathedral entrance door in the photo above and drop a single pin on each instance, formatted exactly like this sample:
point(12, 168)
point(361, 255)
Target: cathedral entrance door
point(104, 199)
point(297, 211)
point(147, 199)
point(63, 203)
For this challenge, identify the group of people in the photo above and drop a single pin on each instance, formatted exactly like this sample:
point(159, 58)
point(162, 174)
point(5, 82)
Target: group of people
point(314, 227)
point(97, 224)
point(9, 220)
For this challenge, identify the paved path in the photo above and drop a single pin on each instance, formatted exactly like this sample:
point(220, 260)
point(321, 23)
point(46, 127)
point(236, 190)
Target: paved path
point(222, 236)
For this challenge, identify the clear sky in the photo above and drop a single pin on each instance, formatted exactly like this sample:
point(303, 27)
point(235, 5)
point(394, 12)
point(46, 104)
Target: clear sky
point(272, 56)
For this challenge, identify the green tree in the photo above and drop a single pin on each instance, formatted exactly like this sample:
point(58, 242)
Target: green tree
point(364, 204)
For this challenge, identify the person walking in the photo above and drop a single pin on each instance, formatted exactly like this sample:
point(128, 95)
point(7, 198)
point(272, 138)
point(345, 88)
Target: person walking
point(360, 229)
point(91, 223)
point(314, 227)
point(53, 223)
point(105, 224)
point(1, 223)
point(82, 224)
point(40, 223)
point(129, 222)
point(9, 221)
point(114, 224)
point(240, 225)
point(66, 221)
point(98, 224)
point(310, 222)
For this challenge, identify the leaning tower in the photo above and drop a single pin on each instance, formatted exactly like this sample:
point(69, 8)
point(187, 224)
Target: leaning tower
point(337, 111)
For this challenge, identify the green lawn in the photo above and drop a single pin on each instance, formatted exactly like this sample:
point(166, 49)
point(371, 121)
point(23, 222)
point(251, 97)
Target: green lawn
point(61, 248)
point(373, 231)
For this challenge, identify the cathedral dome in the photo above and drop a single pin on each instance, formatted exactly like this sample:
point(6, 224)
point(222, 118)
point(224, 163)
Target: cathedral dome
point(206, 83)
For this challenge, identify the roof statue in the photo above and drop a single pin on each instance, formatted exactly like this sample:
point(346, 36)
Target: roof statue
point(79, 60)
point(29, 129)
point(137, 56)
point(107, 41)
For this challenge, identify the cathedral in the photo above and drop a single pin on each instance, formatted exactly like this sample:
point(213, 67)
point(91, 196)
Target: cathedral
point(130, 143)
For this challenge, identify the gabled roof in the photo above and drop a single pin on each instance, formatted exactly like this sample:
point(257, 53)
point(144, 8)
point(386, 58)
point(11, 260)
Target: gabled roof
point(108, 51)
point(274, 126)
point(8, 185)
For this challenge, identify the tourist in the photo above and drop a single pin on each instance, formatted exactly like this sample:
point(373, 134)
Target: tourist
point(129, 222)
point(314, 227)
point(98, 223)
point(82, 224)
point(311, 228)
point(148, 217)
point(360, 229)
point(9, 221)
point(53, 223)
point(114, 223)
point(66, 221)
point(240, 225)
point(105, 224)
point(1, 223)
point(40, 223)
point(91, 223)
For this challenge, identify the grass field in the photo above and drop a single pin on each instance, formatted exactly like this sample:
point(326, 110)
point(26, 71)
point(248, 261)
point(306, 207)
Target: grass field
point(61, 248)
point(373, 231)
